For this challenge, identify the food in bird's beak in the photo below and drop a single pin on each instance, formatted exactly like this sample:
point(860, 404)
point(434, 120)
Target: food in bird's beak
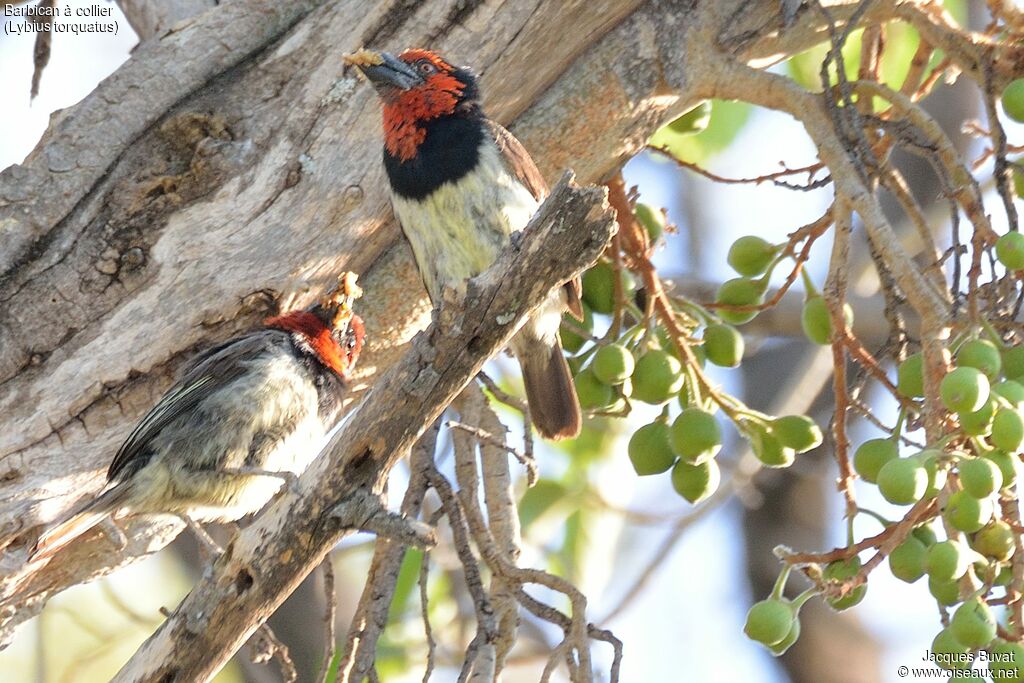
point(363, 57)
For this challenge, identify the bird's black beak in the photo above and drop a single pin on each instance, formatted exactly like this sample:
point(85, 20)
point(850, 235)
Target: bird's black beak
point(385, 70)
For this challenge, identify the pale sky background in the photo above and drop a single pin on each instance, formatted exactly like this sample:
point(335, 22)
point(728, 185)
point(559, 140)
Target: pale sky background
point(690, 617)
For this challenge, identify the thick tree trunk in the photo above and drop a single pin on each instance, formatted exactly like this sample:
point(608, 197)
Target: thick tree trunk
point(231, 167)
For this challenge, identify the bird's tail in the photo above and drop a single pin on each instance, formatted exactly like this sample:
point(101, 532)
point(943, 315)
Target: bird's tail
point(554, 407)
point(77, 523)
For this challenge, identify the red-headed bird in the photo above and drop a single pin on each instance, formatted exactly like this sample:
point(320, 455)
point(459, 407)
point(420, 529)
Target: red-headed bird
point(244, 416)
point(461, 185)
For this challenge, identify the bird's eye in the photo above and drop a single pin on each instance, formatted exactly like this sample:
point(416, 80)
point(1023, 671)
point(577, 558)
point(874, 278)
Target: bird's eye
point(426, 68)
point(351, 343)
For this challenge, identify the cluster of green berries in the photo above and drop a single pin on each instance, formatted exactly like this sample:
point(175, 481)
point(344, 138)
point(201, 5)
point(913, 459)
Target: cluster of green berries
point(646, 366)
point(754, 260)
point(775, 621)
point(983, 391)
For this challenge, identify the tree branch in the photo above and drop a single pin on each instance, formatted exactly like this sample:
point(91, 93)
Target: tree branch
point(268, 559)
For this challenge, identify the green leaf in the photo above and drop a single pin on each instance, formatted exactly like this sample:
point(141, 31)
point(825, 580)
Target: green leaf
point(574, 544)
point(805, 68)
point(408, 574)
point(538, 500)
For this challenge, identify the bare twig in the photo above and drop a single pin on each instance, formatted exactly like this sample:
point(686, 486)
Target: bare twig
point(371, 612)
point(330, 614)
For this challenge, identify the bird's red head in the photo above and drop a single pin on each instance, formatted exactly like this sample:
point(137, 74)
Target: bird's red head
point(329, 331)
point(416, 87)
point(336, 349)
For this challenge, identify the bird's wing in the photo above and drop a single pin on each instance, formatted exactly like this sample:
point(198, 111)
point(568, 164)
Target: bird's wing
point(518, 161)
point(207, 373)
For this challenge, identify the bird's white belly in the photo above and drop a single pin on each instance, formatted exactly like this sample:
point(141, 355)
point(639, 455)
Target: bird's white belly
point(459, 229)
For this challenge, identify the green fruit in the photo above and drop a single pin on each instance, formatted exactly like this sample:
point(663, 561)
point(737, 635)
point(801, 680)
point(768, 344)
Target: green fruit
point(798, 432)
point(1010, 250)
point(967, 513)
point(649, 449)
point(903, 481)
point(769, 622)
point(750, 255)
point(696, 482)
point(780, 648)
point(571, 340)
point(1006, 661)
point(592, 392)
point(652, 220)
point(1005, 576)
point(910, 376)
point(613, 364)
point(979, 423)
point(1006, 464)
point(739, 292)
point(906, 562)
point(982, 355)
point(1012, 391)
point(599, 287)
point(817, 322)
point(995, 540)
point(949, 653)
point(1013, 363)
point(1013, 100)
point(684, 394)
point(946, 593)
point(973, 624)
point(723, 345)
point(770, 451)
point(694, 121)
point(843, 570)
point(925, 534)
point(964, 390)
point(1007, 430)
point(980, 477)
point(871, 456)
point(657, 377)
point(936, 477)
point(946, 561)
point(695, 435)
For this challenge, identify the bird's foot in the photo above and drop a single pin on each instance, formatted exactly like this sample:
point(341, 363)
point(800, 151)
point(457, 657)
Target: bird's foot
point(289, 478)
point(516, 239)
point(211, 546)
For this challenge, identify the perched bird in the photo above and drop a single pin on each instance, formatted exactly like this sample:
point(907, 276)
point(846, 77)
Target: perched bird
point(244, 417)
point(461, 185)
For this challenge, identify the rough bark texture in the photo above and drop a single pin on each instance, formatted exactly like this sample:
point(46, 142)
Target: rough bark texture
point(149, 19)
point(232, 166)
point(268, 559)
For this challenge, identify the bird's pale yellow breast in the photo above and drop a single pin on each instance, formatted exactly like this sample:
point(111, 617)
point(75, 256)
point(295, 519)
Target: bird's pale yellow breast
point(457, 231)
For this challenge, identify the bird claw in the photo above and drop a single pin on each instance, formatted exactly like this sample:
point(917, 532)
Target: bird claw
point(290, 479)
point(204, 538)
point(516, 239)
